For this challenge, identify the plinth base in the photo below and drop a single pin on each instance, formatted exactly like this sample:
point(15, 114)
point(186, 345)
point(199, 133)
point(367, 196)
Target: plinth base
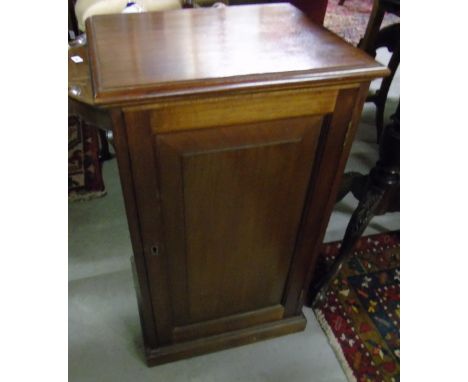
point(226, 340)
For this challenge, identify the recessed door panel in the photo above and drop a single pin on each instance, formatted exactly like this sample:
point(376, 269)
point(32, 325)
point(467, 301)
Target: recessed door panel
point(231, 202)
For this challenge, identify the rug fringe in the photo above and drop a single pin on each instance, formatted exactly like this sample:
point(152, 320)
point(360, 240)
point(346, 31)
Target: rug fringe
point(77, 197)
point(335, 345)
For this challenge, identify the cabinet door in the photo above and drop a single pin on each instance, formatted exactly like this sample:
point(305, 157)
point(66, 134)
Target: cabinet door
point(222, 208)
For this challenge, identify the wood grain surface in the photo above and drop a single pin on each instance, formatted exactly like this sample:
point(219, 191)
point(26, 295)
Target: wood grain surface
point(232, 127)
point(146, 55)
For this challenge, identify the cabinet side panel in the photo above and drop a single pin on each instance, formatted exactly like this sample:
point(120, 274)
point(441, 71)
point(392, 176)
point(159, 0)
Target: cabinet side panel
point(335, 145)
point(360, 97)
point(146, 180)
point(140, 269)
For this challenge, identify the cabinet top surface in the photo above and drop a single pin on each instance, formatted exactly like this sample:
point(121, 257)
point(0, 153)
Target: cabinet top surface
point(147, 55)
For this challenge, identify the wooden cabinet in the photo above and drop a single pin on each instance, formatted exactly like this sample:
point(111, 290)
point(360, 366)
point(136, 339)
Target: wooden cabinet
point(230, 155)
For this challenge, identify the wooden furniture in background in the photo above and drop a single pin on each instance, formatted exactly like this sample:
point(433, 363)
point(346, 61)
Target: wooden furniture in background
point(379, 8)
point(314, 9)
point(232, 127)
point(75, 37)
point(378, 193)
point(375, 38)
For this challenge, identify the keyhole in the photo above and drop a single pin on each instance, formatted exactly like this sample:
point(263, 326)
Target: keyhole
point(155, 250)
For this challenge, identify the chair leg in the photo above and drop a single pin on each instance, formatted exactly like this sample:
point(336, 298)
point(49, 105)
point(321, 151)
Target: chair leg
point(379, 117)
point(73, 30)
point(350, 182)
point(104, 153)
point(368, 41)
point(382, 94)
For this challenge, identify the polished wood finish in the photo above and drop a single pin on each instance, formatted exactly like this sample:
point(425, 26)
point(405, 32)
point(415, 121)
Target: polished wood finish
point(229, 171)
point(245, 108)
point(335, 146)
point(80, 88)
point(222, 185)
point(226, 340)
point(214, 49)
point(378, 193)
point(313, 9)
point(228, 323)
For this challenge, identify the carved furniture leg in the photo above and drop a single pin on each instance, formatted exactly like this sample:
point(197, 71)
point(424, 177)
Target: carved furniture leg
point(358, 223)
point(382, 178)
point(374, 38)
point(368, 41)
point(104, 153)
point(349, 183)
point(388, 37)
point(381, 96)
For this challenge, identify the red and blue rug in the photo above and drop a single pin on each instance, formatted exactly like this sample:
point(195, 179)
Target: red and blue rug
point(361, 310)
point(84, 169)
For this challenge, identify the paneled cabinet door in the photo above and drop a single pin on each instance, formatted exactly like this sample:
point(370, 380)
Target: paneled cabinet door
point(219, 220)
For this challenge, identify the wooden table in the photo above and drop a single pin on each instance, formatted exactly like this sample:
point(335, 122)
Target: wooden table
point(232, 128)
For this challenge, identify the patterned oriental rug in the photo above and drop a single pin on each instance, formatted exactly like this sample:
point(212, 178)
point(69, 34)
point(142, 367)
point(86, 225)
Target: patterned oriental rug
point(84, 169)
point(360, 313)
point(349, 21)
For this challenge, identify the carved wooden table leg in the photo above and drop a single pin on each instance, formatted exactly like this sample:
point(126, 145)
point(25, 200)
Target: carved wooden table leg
point(375, 20)
point(388, 37)
point(382, 179)
point(104, 153)
point(351, 182)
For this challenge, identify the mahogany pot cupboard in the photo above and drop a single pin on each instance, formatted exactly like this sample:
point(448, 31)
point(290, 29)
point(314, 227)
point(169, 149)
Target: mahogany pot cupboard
point(232, 127)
